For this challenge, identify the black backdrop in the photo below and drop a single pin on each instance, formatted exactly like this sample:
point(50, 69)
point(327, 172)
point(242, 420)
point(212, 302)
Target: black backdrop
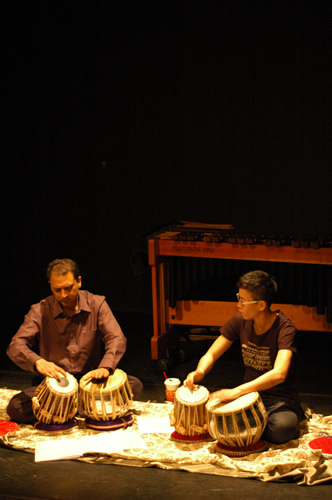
point(122, 116)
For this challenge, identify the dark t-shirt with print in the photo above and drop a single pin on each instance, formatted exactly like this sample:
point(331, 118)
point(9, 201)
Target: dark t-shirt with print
point(260, 351)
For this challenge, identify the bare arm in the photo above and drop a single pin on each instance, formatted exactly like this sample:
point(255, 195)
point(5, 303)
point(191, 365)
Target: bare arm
point(269, 379)
point(205, 364)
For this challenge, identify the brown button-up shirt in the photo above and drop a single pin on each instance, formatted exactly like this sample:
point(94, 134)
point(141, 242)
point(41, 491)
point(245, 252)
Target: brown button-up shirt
point(74, 343)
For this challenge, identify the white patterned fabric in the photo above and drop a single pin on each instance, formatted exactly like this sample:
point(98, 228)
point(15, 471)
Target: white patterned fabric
point(292, 461)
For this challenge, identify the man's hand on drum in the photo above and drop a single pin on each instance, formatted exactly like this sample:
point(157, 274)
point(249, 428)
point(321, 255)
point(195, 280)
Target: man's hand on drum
point(192, 379)
point(225, 395)
point(98, 374)
point(49, 369)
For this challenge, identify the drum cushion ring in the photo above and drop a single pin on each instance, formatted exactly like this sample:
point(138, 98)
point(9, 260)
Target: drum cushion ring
point(180, 438)
point(110, 425)
point(241, 451)
point(40, 426)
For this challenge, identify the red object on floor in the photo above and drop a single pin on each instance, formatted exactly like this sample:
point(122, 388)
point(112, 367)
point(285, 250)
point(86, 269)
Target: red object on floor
point(8, 426)
point(323, 443)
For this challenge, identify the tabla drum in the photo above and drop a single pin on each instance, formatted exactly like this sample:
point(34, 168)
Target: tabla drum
point(189, 414)
point(108, 399)
point(238, 425)
point(55, 401)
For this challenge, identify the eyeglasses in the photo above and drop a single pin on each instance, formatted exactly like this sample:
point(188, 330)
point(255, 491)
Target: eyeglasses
point(246, 303)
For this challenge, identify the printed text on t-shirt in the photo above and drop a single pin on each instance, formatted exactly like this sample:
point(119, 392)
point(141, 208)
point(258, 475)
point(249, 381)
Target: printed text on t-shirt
point(257, 357)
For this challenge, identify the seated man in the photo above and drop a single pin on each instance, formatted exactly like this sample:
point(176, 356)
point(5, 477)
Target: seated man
point(69, 327)
point(268, 350)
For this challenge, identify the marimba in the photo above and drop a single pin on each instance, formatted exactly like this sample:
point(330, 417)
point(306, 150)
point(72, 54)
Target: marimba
point(195, 268)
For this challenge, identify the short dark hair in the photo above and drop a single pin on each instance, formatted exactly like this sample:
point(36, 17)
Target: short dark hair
point(62, 266)
point(260, 284)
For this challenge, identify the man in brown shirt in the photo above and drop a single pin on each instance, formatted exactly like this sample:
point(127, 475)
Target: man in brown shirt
point(68, 327)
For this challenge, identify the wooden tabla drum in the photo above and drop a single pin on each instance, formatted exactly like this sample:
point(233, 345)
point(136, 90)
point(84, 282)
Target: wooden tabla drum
point(189, 415)
point(238, 425)
point(108, 399)
point(55, 401)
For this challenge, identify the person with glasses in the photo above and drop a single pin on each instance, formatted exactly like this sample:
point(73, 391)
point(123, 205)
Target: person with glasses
point(268, 343)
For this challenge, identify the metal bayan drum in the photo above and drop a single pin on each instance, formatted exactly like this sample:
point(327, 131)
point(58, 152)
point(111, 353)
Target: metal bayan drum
point(239, 425)
point(189, 415)
point(108, 399)
point(55, 401)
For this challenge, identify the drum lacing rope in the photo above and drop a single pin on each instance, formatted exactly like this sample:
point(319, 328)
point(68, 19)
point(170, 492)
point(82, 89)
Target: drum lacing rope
point(124, 421)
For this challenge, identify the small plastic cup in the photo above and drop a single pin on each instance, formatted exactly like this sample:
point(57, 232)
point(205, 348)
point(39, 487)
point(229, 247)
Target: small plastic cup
point(171, 385)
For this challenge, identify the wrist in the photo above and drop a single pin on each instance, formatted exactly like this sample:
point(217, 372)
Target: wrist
point(241, 390)
point(36, 363)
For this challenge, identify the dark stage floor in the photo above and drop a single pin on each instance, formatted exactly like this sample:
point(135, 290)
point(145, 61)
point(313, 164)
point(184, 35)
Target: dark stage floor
point(22, 478)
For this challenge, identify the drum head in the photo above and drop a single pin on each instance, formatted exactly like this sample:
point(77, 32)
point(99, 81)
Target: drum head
point(65, 385)
point(112, 382)
point(199, 394)
point(239, 403)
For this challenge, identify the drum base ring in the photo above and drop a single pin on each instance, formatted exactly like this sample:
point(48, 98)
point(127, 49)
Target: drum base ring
point(110, 425)
point(180, 438)
point(55, 427)
point(241, 451)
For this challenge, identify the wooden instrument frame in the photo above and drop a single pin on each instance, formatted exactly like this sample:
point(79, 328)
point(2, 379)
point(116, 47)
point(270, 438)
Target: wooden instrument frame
point(213, 313)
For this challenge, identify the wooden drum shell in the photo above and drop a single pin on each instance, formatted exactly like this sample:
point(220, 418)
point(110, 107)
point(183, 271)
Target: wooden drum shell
point(239, 423)
point(108, 399)
point(189, 415)
point(55, 402)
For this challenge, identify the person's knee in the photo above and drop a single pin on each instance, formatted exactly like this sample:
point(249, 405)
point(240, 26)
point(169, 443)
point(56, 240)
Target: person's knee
point(281, 427)
point(136, 386)
point(19, 409)
point(13, 408)
point(280, 436)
